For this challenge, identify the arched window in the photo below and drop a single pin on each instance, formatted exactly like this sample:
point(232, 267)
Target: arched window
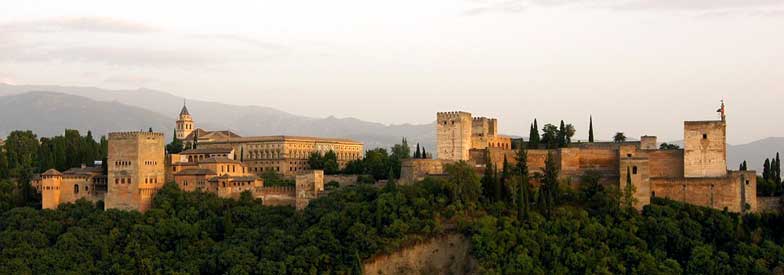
point(634, 170)
point(76, 189)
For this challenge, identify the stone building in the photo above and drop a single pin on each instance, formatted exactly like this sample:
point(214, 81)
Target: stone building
point(287, 155)
point(66, 187)
point(136, 169)
point(457, 133)
point(696, 174)
point(216, 173)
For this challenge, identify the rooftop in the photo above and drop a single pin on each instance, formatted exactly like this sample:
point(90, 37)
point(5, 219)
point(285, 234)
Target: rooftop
point(284, 138)
point(214, 150)
point(195, 171)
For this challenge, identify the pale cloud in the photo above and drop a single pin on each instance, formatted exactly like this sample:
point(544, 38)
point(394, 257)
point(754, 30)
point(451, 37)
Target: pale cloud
point(86, 24)
point(747, 7)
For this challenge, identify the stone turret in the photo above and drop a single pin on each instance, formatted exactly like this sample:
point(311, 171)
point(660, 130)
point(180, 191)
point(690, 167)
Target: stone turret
point(51, 182)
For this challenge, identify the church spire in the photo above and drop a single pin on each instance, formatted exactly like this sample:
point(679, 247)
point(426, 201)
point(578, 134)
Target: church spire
point(184, 111)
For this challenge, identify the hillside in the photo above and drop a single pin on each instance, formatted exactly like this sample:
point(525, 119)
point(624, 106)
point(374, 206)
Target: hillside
point(245, 120)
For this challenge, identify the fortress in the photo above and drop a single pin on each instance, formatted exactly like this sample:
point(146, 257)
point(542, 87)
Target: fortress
point(223, 163)
point(696, 174)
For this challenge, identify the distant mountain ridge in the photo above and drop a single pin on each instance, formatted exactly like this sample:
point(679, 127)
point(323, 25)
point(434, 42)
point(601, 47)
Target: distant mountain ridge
point(244, 120)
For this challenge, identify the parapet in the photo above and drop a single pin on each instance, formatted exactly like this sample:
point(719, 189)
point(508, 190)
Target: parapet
point(451, 115)
point(134, 134)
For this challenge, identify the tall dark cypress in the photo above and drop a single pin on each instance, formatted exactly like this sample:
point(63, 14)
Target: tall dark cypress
point(766, 170)
point(424, 153)
point(523, 193)
point(590, 129)
point(562, 135)
point(501, 186)
point(418, 153)
point(777, 169)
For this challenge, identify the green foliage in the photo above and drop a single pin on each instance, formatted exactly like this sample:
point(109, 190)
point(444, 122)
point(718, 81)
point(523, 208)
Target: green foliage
point(272, 178)
point(619, 137)
point(533, 136)
point(328, 162)
point(668, 146)
point(176, 146)
point(590, 129)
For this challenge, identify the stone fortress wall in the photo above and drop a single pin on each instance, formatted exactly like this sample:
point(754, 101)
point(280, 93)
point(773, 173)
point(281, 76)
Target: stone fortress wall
point(696, 174)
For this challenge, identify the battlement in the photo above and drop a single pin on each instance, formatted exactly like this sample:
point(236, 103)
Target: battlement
point(134, 134)
point(451, 115)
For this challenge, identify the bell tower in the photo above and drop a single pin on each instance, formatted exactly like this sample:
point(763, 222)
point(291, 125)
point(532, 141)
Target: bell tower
point(184, 123)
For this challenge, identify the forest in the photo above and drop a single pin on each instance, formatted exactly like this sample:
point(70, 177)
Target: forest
point(513, 225)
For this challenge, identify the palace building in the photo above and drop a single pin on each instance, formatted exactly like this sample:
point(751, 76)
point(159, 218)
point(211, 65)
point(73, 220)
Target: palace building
point(287, 155)
point(696, 174)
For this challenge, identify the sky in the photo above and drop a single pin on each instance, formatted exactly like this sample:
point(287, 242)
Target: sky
point(637, 66)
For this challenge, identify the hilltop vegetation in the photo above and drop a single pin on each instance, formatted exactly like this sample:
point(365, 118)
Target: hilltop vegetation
point(586, 231)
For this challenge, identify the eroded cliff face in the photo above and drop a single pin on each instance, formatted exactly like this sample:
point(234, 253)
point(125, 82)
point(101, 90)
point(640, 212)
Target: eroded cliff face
point(448, 254)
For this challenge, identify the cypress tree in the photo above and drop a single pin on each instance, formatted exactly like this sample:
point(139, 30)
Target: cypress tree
point(522, 190)
point(424, 153)
point(628, 194)
point(488, 181)
point(590, 129)
point(562, 135)
point(534, 138)
point(418, 153)
point(499, 189)
point(777, 168)
point(766, 170)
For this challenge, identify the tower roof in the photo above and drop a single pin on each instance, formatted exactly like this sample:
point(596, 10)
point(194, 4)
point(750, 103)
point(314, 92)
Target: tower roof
point(184, 111)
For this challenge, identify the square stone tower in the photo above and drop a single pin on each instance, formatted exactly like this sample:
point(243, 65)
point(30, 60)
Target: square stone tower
point(309, 185)
point(705, 148)
point(453, 135)
point(136, 169)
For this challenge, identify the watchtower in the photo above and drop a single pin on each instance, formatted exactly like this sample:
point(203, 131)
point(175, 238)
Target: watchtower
point(136, 169)
point(453, 135)
point(705, 147)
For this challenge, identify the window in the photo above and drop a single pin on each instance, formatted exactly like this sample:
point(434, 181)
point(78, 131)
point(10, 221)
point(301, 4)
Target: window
point(704, 136)
point(634, 170)
point(629, 155)
point(76, 189)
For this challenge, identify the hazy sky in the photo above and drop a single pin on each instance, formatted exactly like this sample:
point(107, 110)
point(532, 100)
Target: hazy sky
point(638, 66)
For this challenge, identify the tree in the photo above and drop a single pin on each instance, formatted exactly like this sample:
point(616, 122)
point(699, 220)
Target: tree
point(316, 161)
point(668, 146)
point(418, 153)
point(766, 170)
point(628, 191)
point(424, 153)
point(561, 135)
point(550, 136)
point(488, 180)
point(533, 136)
point(402, 150)
point(175, 147)
point(195, 141)
point(377, 163)
point(150, 130)
point(523, 189)
point(569, 133)
point(743, 166)
point(502, 183)
point(330, 162)
point(590, 129)
point(22, 153)
point(549, 191)
point(465, 185)
point(619, 137)
point(777, 169)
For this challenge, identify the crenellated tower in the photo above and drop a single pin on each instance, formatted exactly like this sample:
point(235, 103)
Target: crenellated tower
point(135, 169)
point(453, 135)
point(184, 123)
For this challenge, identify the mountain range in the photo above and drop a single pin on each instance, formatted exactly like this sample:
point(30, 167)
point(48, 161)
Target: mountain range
point(48, 110)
